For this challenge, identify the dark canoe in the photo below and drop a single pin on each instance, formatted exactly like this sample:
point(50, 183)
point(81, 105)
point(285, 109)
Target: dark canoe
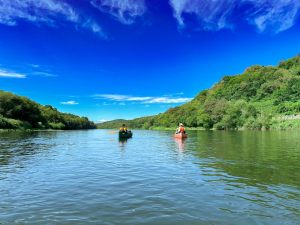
point(125, 134)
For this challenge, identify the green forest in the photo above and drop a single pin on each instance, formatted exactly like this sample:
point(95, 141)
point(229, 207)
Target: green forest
point(18, 112)
point(262, 97)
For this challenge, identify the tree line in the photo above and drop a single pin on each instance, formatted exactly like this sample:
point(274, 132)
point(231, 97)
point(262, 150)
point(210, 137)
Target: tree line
point(259, 98)
point(17, 112)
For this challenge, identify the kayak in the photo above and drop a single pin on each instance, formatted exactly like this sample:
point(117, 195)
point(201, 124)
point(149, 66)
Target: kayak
point(180, 135)
point(127, 134)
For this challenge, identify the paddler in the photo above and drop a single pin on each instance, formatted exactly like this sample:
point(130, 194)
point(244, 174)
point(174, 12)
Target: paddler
point(180, 129)
point(123, 129)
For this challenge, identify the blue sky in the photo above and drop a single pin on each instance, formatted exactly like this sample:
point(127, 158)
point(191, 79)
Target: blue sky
point(109, 59)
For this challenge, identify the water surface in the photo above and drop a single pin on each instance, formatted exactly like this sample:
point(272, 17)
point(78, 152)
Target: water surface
point(89, 177)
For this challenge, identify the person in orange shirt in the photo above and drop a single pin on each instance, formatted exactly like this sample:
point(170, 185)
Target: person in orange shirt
point(180, 129)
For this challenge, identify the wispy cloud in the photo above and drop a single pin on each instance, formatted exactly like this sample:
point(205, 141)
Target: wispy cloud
point(26, 71)
point(101, 121)
point(273, 15)
point(211, 14)
point(94, 27)
point(115, 97)
point(69, 103)
point(142, 100)
point(10, 74)
point(167, 100)
point(34, 69)
point(265, 15)
point(34, 65)
point(35, 11)
point(276, 15)
point(43, 74)
point(125, 11)
point(42, 12)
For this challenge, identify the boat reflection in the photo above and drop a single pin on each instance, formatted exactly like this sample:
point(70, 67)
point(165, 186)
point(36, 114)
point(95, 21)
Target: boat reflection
point(123, 142)
point(180, 143)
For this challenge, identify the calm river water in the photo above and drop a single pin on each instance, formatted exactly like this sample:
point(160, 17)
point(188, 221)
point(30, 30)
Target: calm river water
point(89, 177)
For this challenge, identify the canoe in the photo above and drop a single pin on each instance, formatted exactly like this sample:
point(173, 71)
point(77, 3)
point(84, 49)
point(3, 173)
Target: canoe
point(180, 135)
point(127, 134)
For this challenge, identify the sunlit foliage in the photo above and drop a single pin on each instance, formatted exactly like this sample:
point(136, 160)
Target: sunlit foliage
point(260, 98)
point(18, 112)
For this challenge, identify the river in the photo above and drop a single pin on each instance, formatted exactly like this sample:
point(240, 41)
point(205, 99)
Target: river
point(90, 177)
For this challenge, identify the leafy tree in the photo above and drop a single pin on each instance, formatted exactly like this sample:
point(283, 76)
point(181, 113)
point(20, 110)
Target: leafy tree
point(20, 112)
point(255, 99)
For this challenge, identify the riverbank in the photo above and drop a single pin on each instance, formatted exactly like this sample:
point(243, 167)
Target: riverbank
point(211, 129)
point(39, 130)
point(279, 122)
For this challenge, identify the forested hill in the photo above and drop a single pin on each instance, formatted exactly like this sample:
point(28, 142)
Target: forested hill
point(262, 97)
point(18, 112)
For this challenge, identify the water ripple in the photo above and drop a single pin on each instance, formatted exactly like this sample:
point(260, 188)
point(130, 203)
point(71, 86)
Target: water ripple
point(90, 177)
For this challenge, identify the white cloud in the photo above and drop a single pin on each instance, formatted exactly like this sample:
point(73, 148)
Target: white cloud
point(33, 70)
point(142, 100)
point(38, 70)
point(125, 11)
point(69, 103)
point(102, 121)
point(34, 65)
point(42, 11)
point(94, 27)
point(43, 74)
point(35, 11)
point(167, 100)
point(9, 74)
point(212, 14)
point(274, 15)
point(115, 97)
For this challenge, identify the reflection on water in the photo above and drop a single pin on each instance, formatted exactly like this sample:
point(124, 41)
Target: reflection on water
point(123, 141)
point(215, 177)
point(180, 144)
point(261, 157)
point(16, 147)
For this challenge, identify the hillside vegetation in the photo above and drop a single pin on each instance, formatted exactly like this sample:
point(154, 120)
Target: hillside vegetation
point(262, 97)
point(18, 112)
